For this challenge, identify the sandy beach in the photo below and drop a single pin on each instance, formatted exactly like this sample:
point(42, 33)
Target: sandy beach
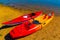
point(49, 32)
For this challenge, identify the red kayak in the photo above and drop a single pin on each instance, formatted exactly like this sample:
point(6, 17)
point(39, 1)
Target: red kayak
point(24, 18)
point(25, 29)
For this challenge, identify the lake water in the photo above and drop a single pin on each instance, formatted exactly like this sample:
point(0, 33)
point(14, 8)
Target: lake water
point(52, 4)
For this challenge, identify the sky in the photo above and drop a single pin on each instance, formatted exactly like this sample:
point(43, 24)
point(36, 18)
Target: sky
point(55, 3)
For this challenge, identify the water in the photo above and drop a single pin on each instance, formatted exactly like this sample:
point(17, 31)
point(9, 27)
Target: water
point(32, 2)
point(49, 4)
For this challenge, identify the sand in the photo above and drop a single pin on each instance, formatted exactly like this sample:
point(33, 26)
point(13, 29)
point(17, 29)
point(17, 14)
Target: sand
point(49, 32)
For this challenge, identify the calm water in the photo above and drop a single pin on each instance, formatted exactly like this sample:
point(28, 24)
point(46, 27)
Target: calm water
point(33, 2)
point(51, 4)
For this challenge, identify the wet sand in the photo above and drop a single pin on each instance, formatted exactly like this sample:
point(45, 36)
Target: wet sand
point(49, 32)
